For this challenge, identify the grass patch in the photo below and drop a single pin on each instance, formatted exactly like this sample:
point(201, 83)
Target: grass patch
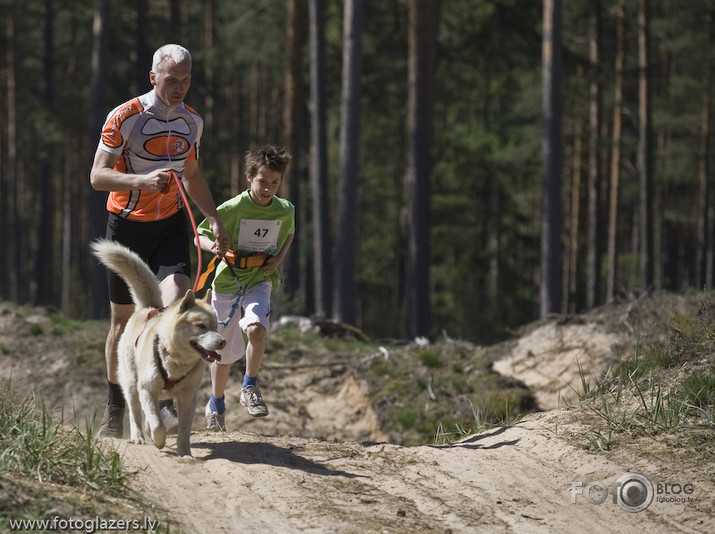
point(435, 395)
point(652, 392)
point(50, 469)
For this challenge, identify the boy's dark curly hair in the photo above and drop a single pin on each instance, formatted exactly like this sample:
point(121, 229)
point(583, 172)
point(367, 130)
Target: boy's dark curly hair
point(275, 158)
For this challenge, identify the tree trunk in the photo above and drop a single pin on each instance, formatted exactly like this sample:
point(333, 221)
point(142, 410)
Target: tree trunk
point(571, 275)
point(615, 152)
point(208, 65)
point(593, 260)
point(42, 252)
point(551, 218)
point(11, 241)
point(142, 62)
point(344, 293)
point(644, 157)
point(292, 121)
point(709, 223)
point(703, 264)
point(422, 38)
point(96, 200)
point(319, 164)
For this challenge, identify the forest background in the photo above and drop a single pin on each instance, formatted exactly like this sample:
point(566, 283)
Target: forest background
point(420, 132)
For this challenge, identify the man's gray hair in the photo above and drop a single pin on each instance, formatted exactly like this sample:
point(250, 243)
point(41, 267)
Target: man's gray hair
point(175, 52)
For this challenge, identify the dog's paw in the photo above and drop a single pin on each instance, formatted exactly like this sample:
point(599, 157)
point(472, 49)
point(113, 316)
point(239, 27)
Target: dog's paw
point(159, 437)
point(138, 440)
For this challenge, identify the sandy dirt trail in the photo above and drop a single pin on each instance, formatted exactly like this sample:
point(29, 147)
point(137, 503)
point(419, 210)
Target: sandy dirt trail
point(511, 479)
point(320, 462)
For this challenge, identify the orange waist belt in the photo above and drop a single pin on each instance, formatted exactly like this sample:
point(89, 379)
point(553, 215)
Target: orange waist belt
point(240, 261)
point(246, 261)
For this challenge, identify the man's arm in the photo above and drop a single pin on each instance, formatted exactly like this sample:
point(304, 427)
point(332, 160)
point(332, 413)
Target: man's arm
point(197, 188)
point(103, 177)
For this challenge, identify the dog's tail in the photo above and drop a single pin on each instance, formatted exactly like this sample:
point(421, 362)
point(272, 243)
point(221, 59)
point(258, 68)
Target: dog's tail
point(142, 283)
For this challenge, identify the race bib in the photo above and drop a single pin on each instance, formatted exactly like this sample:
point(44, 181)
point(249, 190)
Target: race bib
point(258, 236)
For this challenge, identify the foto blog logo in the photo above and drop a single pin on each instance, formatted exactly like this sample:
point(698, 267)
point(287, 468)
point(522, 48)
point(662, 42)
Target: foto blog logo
point(633, 492)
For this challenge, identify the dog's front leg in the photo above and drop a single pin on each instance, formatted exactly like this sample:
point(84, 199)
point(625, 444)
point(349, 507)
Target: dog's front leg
point(150, 405)
point(135, 415)
point(185, 406)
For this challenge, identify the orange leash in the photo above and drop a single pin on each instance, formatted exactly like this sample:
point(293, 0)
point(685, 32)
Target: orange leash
point(193, 225)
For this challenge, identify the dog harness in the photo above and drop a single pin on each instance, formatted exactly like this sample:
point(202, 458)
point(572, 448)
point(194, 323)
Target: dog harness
point(149, 315)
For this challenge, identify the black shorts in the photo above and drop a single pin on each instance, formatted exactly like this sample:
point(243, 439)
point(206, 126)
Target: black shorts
point(164, 245)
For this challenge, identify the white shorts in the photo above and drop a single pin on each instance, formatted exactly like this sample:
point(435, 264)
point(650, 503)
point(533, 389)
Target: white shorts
point(253, 307)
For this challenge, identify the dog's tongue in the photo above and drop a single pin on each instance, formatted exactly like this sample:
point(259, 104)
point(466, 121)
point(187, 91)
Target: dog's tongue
point(208, 355)
point(211, 356)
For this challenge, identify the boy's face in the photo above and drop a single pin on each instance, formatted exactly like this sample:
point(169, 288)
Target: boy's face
point(264, 185)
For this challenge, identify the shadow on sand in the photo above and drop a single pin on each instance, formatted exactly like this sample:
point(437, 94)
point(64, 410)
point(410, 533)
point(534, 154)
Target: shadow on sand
point(266, 453)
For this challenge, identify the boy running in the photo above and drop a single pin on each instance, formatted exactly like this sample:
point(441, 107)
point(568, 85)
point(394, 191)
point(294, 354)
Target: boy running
point(261, 227)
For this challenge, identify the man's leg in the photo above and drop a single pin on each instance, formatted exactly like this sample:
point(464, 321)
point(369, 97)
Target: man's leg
point(174, 287)
point(113, 421)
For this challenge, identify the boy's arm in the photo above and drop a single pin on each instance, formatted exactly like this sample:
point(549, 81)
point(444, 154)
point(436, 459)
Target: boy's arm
point(273, 262)
point(206, 244)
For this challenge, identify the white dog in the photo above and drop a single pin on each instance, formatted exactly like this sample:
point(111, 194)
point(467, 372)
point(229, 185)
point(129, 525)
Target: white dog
point(162, 350)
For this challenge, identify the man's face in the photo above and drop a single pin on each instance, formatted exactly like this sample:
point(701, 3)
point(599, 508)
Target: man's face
point(172, 82)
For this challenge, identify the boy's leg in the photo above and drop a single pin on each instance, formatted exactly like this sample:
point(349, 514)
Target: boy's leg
point(226, 308)
point(250, 393)
point(219, 378)
point(256, 323)
point(215, 413)
point(256, 349)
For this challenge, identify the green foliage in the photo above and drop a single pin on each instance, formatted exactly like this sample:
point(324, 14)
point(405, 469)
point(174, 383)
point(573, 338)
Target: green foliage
point(699, 389)
point(429, 359)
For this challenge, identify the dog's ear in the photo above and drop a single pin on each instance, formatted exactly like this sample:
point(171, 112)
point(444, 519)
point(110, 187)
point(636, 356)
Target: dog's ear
point(207, 297)
point(187, 302)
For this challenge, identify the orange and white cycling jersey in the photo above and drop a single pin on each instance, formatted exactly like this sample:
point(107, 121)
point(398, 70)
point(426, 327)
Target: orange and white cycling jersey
point(148, 135)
